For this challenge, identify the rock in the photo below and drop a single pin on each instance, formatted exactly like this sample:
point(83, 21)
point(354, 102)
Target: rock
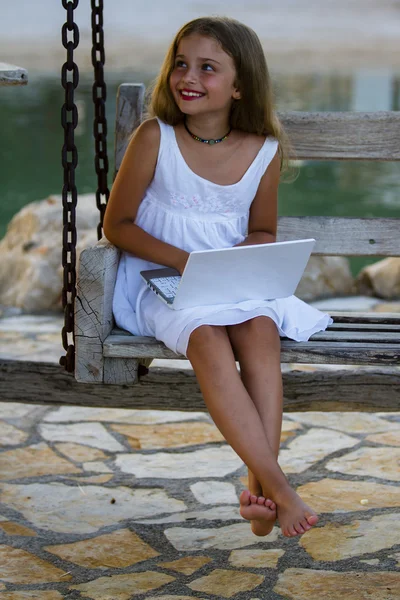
point(187, 565)
point(338, 542)
point(12, 528)
point(314, 584)
point(30, 252)
point(381, 279)
point(377, 462)
point(66, 414)
point(229, 537)
point(218, 513)
point(169, 435)
point(116, 550)
point(11, 436)
point(122, 587)
point(226, 583)
point(354, 422)
point(67, 509)
point(214, 492)
point(33, 461)
point(94, 435)
point(31, 595)
point(339, 495)
point(256, 559)
point(207, 462)
point(309, 448)
point(325, 276)
point(21, 567)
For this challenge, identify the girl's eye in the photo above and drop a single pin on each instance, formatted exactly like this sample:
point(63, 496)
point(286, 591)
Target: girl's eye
point(206, 66)
point(180, 63)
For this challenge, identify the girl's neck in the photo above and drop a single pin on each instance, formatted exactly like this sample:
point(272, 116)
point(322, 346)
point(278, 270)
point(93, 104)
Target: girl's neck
point(208, 127)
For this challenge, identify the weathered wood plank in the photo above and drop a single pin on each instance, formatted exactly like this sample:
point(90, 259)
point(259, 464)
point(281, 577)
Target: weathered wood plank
point(365, 317)
point(344, 236)
point(173, 389)
point(312, 352)
point(314, 135)
point(12, 75)
point(93, 309)
point(130, 98)
point(378, 337)
point(377, 327)
point(121, 371)
point(344, 135)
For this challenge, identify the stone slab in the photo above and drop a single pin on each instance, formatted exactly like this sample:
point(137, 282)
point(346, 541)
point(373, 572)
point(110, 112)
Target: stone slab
point(312, 584)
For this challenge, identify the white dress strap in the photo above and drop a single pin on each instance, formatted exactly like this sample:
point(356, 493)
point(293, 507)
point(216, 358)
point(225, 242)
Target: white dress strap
point(268, 152)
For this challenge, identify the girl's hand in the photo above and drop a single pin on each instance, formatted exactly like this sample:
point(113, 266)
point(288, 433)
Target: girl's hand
point(182, 264)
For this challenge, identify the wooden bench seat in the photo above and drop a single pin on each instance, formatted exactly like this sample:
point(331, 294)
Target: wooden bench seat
point(108, 355)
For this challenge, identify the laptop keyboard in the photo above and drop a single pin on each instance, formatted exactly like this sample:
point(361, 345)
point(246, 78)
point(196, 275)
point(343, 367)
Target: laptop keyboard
point(167, 285)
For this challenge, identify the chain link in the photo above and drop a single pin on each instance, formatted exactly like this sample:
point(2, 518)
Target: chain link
point(99, 93)
point(69, 157)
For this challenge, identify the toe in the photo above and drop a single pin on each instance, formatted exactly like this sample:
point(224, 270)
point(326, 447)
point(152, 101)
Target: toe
point(261, 500)
point(253, 499)
point(245, 498)
point(312, 519)
point(292, 530)
point(299, 528)
point(305, 525)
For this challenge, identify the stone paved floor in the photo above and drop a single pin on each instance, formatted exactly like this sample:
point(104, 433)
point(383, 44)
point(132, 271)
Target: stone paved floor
point(115, 504)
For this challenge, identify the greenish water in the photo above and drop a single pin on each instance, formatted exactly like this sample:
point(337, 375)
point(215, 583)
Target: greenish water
point(32, 136)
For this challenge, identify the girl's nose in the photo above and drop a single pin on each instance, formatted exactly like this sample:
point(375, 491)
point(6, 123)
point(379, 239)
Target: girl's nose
point(190, 76)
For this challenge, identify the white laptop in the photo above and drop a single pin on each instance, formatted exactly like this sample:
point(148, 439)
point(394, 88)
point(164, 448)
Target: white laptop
point(231, 275)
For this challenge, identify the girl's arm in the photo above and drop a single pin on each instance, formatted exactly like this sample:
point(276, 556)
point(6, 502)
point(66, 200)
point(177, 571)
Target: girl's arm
point(264, 208)
point(134, 177)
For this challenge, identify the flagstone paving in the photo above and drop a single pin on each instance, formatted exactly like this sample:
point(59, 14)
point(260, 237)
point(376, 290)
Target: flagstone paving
point(111, 504)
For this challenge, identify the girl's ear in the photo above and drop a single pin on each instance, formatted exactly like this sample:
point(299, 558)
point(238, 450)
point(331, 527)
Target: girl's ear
point(236, 95)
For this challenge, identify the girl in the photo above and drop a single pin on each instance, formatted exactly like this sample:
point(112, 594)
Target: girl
point(202, 173)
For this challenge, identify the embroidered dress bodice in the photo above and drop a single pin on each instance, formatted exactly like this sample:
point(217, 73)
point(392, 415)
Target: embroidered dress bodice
point(190, 212)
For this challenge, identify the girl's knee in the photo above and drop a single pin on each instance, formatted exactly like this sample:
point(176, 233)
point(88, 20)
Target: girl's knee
point(254, 333)
point(206, 334)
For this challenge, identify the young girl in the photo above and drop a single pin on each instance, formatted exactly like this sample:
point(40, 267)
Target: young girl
point(203, 173)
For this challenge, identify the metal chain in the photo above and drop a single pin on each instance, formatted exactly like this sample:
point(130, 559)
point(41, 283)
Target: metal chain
point(69, 120)
point(99, 92)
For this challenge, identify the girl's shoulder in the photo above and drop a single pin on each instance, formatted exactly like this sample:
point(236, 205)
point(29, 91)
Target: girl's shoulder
point(250, 140)
point(148, 131)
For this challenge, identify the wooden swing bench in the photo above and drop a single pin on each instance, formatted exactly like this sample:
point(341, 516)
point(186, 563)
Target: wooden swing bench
point(106, 355)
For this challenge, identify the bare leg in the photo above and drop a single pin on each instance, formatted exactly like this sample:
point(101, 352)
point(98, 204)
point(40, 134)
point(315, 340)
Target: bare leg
point(235, 415)
point(256, 344)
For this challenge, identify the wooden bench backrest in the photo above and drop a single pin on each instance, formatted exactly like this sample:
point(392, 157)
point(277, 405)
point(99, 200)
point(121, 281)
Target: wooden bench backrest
point(315, 136)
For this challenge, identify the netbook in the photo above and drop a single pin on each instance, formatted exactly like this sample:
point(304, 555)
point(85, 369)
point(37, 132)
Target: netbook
point(231, 275)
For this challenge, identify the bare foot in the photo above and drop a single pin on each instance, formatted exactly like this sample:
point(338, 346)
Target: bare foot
point(295, 517)
point(260, 511)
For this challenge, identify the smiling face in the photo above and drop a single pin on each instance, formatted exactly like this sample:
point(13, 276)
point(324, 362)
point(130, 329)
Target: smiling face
point(203, 78)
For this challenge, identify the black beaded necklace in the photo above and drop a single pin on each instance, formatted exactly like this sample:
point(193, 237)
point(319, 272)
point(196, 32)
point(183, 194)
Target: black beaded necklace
point(210, 142)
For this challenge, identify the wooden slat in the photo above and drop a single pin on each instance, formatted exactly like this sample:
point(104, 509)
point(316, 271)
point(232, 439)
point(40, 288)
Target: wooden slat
point(364, 327)
point(344, 135)
point(350, 335)
point(316, 352)
point(314, 135)
point(365, 317)
point(177, 389)
point(12, 75)
point(130, 98)
point(93, 309)
point(344, 236)
point(340, 353)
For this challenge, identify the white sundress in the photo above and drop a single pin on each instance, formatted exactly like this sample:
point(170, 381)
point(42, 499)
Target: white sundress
point(192, 213)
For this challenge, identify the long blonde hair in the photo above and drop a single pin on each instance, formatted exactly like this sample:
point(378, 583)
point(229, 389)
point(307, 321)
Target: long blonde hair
point(254, 112)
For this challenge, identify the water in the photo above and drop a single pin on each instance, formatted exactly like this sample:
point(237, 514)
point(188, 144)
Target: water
point(32, 136)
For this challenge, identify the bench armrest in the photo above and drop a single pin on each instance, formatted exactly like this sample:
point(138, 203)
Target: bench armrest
point(93, 308)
